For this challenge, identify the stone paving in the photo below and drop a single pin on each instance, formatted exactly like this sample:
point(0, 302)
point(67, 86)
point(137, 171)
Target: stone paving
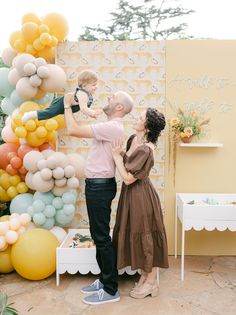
point(209, 288)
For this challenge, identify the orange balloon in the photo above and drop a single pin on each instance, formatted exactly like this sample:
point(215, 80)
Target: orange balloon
point(47, 146)
point(25, 148)
point(4, 150)
point(47, 53)
point(22, 170)
point(10, 155)
point(10, 170)
point(16, 162)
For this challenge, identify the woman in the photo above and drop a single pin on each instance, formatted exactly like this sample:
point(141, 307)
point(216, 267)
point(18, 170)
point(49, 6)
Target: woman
point(139, 233)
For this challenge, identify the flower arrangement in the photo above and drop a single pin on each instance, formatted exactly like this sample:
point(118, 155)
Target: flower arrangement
point(187, 124)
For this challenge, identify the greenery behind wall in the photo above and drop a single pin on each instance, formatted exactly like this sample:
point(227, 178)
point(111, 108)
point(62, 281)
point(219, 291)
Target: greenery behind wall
point(150, 20)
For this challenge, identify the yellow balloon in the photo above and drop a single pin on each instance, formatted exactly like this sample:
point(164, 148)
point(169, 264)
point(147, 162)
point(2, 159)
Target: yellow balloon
point(48, 54)
point(5, 261)
point(19, 45)
point(45, 38)
point(16, 117)
point(13, 126)
point(52, 135)
point(20, 132)
point(22, 187)
point(30, 125)
point(40, 122)
point(34, 254)
point(14, 36)
point(29, 49)
point(12, 192)
point(5, 218)
point(14, 180)
point(54, 41)
point(41, 132)
point(3, 195)
point(61, 121)
point(33, 140)
point(5, 181)
point(30, 31)
point(30, 17)
point(28, 106)
point(57, 24)
point(51, 124)
point(38, 45)
point(2, 171)
point(43, 28)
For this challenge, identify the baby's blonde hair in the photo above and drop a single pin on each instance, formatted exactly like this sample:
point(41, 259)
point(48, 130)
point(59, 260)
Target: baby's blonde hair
point(86, 77)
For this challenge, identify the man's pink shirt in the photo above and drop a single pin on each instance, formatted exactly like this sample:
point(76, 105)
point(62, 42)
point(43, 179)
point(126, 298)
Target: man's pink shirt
point(100, 163)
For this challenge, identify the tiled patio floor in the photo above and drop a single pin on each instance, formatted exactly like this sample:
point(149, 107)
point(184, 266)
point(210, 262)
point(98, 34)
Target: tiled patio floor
point(209, 288)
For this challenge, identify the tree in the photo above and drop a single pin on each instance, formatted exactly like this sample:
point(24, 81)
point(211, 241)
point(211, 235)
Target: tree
point(144, 21)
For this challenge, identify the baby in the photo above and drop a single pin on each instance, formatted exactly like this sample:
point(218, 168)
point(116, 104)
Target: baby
point(87, 86)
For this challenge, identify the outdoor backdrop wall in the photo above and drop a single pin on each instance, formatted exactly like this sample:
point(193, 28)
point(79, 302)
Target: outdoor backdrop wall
point(135, 67)
point(197, 73)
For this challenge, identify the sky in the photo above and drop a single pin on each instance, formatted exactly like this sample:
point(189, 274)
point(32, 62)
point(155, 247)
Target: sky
point(213, 18)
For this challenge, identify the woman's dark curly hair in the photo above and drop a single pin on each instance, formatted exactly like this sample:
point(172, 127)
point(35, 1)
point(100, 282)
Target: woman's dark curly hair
point(154, 124)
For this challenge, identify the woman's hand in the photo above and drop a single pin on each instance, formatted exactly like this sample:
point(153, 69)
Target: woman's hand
point(68, 99)
point(117, 147)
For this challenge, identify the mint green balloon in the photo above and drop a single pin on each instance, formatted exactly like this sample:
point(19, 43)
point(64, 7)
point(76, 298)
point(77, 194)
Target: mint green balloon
point(45, 197)
point(16, 99)
point(39, 218)
point(5, 87)
point(62, 219)
point(48, 224)
point(7, 106)
point(57, 203)
point(20, 203)
point(69, 209)
point(69, 197)
point(38, 206)
point(49, 211)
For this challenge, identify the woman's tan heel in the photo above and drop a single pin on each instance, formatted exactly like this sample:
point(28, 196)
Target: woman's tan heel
point(144, 290)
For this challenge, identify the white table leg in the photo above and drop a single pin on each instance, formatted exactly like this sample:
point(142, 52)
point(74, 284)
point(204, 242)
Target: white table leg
point(158, 276)
point(176, 229)
point(57, 278)
point(182, 252)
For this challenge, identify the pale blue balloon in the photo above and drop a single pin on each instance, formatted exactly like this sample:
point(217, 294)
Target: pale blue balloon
point(45, 197)
point(48, 224)
point(57, 203)
point(7, 106)
point(5, 87)
point(39, 218)
point(47, 99)
point(49, 211)
point(69, 197)
point(16, 99)
point(20, 203)
point(62, 218)
point(30, 211)
point(69, 209)
point(38, 206)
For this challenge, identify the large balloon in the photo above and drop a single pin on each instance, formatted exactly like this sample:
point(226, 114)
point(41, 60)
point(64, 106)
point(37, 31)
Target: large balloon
point(8, 55)
point(20, 203)
point(5, 261)
point(57, 24)
point(34, 254)
point(7, 106)
point(5, 87)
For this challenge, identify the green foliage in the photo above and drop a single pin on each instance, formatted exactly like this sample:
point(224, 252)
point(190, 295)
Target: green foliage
point(5, 308)
point(145, 21)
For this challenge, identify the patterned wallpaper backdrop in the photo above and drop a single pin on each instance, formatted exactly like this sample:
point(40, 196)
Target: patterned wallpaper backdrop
point(136, 67)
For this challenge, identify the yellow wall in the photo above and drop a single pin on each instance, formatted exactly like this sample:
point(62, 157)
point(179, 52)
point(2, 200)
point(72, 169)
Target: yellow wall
point(206, 73)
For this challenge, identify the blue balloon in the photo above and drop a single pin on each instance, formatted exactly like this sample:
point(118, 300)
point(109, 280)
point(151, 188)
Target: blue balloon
point(45, 197)
point(69, 197)
point(48, 224)
point(49, 211)
point(39, 218)
point(62, 219)
point(20, 203)
point(38, 206)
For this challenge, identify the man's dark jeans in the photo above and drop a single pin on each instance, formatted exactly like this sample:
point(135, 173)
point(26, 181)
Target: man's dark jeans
point(99, 194)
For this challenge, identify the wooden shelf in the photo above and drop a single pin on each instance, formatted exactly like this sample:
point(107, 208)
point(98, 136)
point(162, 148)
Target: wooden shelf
point(201, 145)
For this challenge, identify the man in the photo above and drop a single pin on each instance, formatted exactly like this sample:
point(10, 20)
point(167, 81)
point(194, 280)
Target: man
point(100, 189)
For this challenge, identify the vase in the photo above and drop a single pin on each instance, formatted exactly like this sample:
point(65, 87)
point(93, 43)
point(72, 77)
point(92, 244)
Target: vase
point(186, 139)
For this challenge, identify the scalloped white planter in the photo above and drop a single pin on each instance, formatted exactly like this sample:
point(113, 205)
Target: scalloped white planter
point(203, 216)
point(82, 260)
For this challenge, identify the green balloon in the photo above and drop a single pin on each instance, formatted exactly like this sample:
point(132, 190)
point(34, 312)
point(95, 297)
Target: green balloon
point(5, 87)
point(7, 106)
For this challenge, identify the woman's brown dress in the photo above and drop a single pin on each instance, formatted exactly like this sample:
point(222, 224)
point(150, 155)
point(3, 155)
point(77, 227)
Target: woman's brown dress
point(139, 233)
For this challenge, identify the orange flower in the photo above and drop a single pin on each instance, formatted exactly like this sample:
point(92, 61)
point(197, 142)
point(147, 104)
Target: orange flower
point(188, 131)
point(194, 114)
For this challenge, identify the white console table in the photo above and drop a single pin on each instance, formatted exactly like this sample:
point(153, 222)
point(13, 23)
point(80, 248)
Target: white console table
point(82, 260)
point(200, 215)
